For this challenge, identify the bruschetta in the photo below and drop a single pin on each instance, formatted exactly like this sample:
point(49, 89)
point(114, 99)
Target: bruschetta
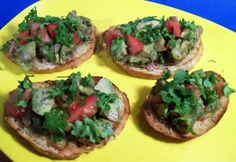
point(145, 47)
point(187, 106)
point(48, 44)
point(62, 119)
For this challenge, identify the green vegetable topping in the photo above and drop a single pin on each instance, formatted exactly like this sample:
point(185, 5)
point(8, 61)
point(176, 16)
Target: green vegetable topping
point(188, 24)
point(82, 108)
point(55, 123)
point(161, 43)
point(104, 100)
point(54, 38)
point(227, 90)
point(23, 85)
point(92, 129)
point(188, 97)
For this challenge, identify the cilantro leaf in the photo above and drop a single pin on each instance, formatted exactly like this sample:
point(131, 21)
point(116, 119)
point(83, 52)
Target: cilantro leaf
point(51, 19)
point(23, 85)
point(55, 124)
point(32, 16)
point(172, 43)
point(48, 53)
point(21, 103)
point(73, 88)
point(92, 129)
point(117, 45)
point(23, 26)
point(104, 100)
point(26, 83)
point(180, 76)
point(166, 74)
point(54, 121)
point(5, 47)
point(227, 90)
point(188, 24)
point(63, 37)
point(87, 81)
point(72, 21)
point(57, 89)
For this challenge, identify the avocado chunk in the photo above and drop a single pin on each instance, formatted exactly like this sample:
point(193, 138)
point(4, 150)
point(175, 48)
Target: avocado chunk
point(64, 54)
point(41, 103)
point(113, 113)
point(27, 52)
point(105, 86)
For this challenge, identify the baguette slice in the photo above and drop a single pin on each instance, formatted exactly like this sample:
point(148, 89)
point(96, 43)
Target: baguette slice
point(187, 63)
point(67, 149)
point(200, 127)
point(49, 44)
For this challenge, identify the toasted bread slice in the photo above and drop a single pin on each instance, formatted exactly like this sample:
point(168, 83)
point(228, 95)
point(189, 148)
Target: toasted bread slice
point(49, 44)
point(67, 149)
point(187, 63)
point(200, 127)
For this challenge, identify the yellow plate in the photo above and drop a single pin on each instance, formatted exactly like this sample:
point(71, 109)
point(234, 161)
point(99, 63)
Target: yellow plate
point(138, 142)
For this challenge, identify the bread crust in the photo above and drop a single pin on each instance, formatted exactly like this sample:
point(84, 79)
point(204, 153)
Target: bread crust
point(42, 143)
point(187, 63)
point(78, 58)
point(200, 127)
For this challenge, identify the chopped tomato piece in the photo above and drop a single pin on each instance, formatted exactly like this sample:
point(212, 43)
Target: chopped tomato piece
point(11, 108)
point(111, 35)
point(51, 30)
point(22, 41)
point(16, 111)
point(76, 38)
point(173, 26)
point(134, 45)
point(79, 112)
point(23, 35)
point(45, 37)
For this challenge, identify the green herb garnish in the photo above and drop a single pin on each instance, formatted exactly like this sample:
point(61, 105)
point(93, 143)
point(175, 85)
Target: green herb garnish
point(55, 123)
point(92, 129)
point(187, 97)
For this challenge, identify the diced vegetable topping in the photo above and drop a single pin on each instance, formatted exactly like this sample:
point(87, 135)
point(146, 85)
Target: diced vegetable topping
point(49, 34)
point(112, 35)
point(41, 103)
point(152, 41)
point(84, 107)
point(134, 45)
point(187, 97)
point(80, 111)
point(104, 85)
